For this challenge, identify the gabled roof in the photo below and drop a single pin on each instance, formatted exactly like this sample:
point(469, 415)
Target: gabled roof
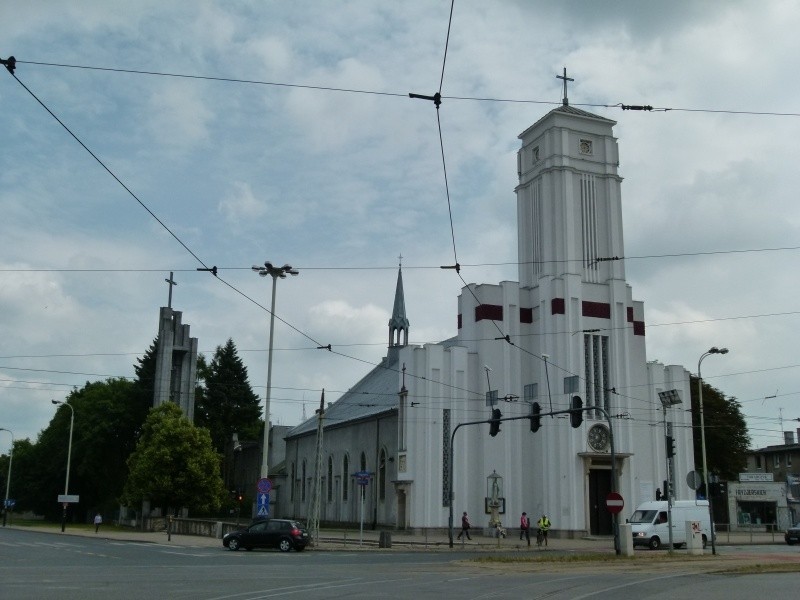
point(376, 393)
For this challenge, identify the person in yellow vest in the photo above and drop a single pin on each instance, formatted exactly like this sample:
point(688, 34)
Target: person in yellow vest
point(544, 526)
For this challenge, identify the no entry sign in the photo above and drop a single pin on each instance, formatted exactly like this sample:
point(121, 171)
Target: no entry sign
point(614, 503)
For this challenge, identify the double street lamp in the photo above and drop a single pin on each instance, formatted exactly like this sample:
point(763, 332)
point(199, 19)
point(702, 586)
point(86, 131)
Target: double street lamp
point(69, 456)
point(8, 478)
point(712, 350)
point(276, 273)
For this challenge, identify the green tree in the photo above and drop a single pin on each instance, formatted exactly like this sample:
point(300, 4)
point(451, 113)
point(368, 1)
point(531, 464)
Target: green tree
point(108, 420)
point(727, 439)
point(174, 464)
point(108, 417)
point(227, 403)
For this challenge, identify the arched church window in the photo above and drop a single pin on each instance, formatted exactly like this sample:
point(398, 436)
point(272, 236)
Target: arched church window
point(345, 477)
point(292, 482)
point(330, 479)
point(303, 484)
point(382, 475)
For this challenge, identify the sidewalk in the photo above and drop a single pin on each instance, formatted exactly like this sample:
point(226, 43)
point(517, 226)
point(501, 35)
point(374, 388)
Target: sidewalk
point(350, 540)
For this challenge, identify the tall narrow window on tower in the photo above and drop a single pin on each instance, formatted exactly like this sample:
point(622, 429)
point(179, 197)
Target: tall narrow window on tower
point(589, 226)
point(536, 226)
point(596, 372)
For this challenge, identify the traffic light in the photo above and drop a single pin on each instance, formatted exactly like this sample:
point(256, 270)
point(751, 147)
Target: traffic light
point(670, 446)
point(536, 420)
point(494, 423)
point(576, 416)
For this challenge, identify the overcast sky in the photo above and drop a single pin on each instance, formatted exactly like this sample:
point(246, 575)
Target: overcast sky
point(339, 184)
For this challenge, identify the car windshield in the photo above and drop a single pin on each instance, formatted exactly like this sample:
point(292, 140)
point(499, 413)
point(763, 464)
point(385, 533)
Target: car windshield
point(643, 516)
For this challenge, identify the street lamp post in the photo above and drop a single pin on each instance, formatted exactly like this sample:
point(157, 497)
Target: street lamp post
point(69, 456)
point(276, 273)
point(712, 350)
point(8, 478)
point(669, 399)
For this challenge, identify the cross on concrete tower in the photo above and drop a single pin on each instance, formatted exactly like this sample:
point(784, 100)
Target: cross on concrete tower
point(565, 101)
point(171, 283)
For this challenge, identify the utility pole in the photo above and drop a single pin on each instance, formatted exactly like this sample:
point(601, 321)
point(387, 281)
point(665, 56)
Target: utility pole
point(313, 523)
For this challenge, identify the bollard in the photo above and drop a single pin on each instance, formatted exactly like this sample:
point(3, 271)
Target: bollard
point(626, 539)
point(385, 540)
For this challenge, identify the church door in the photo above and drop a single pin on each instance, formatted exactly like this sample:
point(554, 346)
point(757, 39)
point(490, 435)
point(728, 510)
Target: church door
point(600, 522)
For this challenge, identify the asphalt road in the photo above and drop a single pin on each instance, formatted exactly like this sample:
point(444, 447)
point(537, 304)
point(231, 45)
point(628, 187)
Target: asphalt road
point(49, 565)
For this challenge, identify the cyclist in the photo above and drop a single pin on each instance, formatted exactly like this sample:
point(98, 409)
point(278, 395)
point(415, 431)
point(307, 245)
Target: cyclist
point(544, 526)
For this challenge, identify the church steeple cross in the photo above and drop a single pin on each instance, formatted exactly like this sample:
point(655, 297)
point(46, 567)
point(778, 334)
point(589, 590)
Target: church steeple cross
point(565, 101)
point(171, 283)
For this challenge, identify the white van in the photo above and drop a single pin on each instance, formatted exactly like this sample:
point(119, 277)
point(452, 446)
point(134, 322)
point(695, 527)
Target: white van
point(649, 522)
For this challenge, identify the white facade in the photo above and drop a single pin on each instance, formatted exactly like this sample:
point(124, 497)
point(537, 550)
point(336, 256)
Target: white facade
point(570, 327)
point(572, 306)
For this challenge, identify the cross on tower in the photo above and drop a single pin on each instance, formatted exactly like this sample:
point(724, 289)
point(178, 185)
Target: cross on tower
point(400, 259)
point(565, 101)
point(171, 283)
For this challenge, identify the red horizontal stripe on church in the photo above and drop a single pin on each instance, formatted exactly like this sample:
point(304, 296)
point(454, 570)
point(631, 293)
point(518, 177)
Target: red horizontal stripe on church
point(558, 306)
point(630, 314)
point(459, 320)
point(600, 310)
point(526, 315)
point(488, 311)
point(638, 328)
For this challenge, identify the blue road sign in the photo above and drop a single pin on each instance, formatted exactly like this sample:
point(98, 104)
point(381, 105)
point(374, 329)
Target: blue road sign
point(264, 485)
point(362, 477)
point(10, 503)
point(262, 502)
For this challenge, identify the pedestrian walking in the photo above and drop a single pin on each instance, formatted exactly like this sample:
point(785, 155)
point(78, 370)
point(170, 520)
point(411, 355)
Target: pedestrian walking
point(465, 526)
point(525, 527)
point(98, 520)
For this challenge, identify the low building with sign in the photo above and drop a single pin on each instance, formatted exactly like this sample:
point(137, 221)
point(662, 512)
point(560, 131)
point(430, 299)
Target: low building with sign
point(780, 462)
point(757, 502)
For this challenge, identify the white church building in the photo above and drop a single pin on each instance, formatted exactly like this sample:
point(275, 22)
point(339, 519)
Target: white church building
point(570, 327)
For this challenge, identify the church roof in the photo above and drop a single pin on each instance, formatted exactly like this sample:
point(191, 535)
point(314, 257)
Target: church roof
point(376, 393)
point(566, 109)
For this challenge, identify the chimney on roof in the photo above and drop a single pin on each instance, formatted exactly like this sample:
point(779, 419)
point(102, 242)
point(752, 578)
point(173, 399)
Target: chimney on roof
point(788, 437)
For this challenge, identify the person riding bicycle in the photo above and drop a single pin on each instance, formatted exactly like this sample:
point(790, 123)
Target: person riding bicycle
point(544, 526)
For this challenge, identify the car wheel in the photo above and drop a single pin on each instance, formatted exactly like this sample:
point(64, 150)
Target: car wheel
point(705, 542)
point(233, 544)
point(655, 543)
point(285, 545)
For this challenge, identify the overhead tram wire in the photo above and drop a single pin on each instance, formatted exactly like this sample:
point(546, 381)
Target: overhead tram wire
point(437, 101)
point(407, 267)
point(152, 214)
point(322, 88)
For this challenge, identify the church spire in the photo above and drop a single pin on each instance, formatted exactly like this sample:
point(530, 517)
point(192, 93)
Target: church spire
point(398, 324)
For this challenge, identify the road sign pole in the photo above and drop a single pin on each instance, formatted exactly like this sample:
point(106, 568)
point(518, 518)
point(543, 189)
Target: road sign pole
point(361, 517)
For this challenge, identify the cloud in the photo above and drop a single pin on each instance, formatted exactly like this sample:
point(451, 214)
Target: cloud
point(177, 116)
point(242, 205)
